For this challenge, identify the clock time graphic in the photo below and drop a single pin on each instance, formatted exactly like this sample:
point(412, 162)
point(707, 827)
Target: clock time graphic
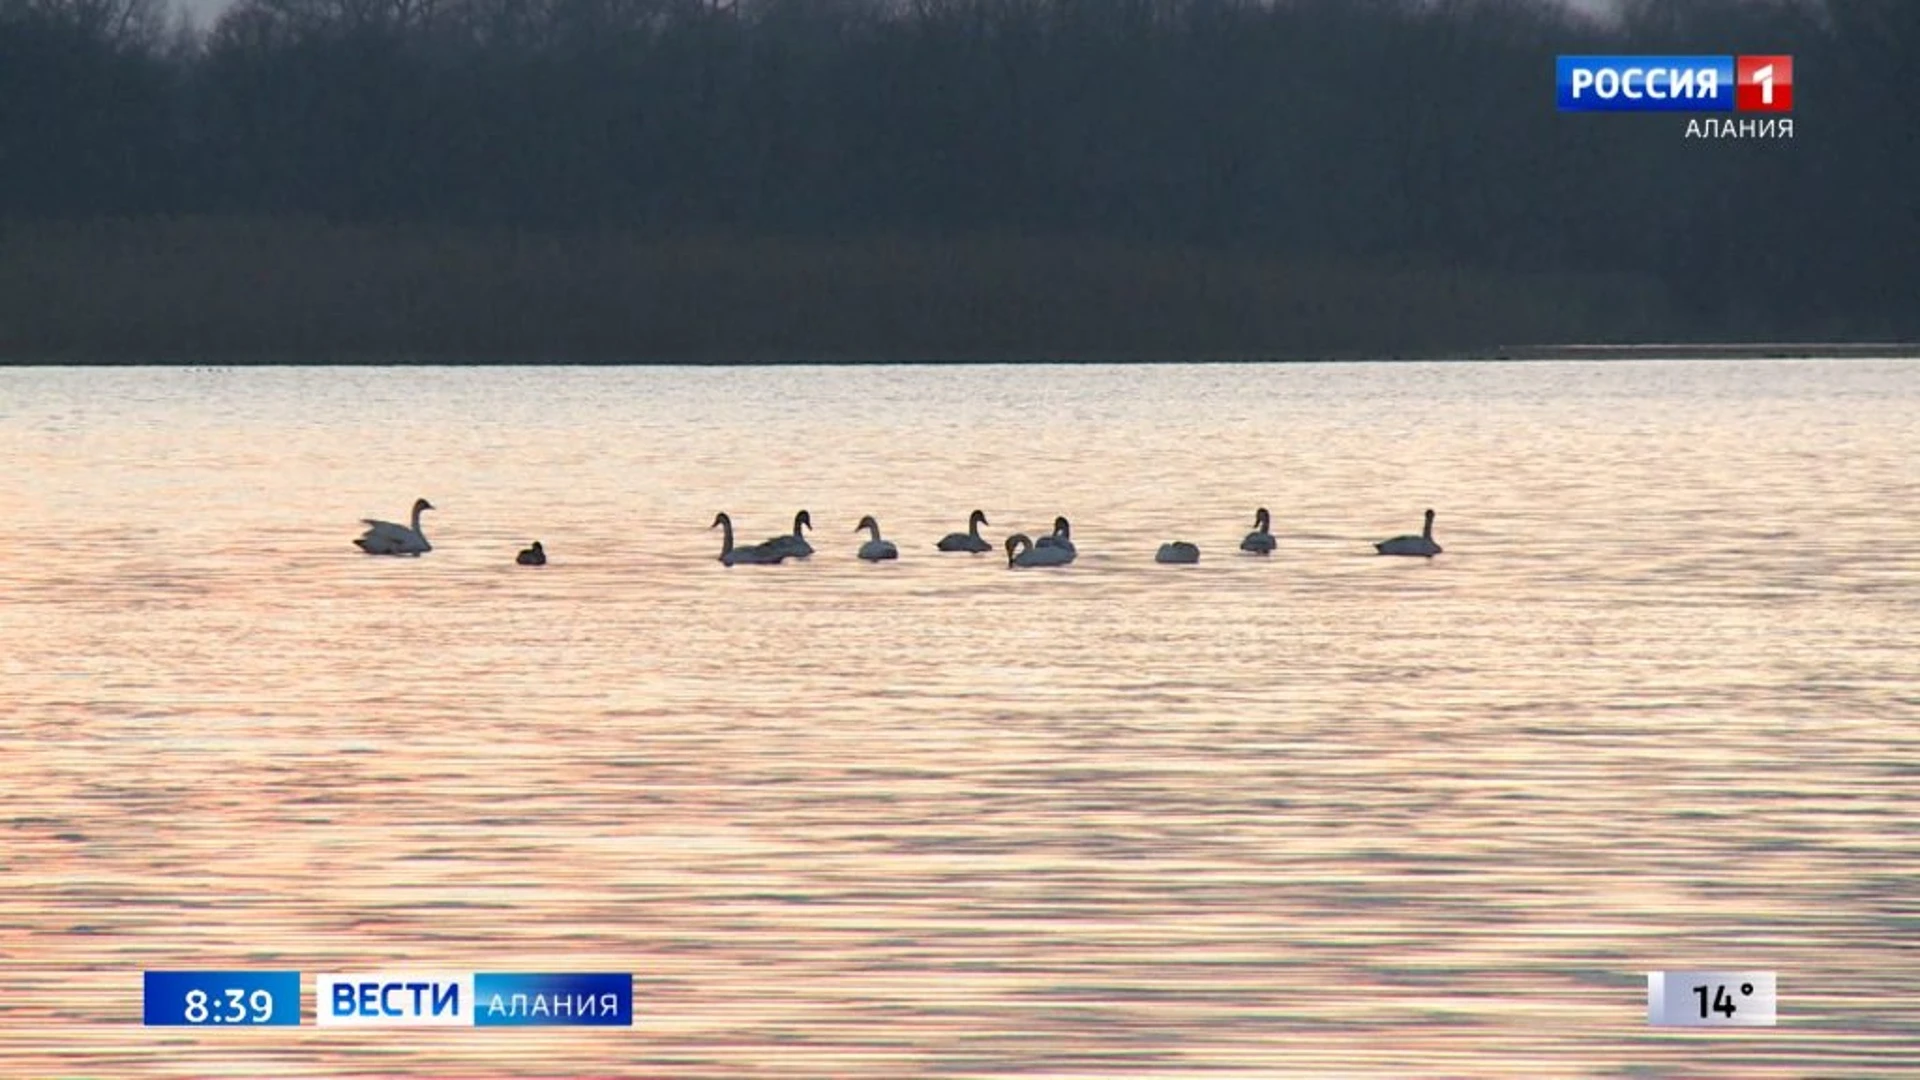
point(221, 998)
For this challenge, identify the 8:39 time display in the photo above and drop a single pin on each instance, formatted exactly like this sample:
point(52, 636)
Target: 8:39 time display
point(221, 998)
point(240, 1007)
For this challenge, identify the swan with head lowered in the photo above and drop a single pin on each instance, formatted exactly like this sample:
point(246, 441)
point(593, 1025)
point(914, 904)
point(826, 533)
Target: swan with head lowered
point(875, 549)
point(794, 544)
point(971, 540)
point(1411, 545)
point(1060, 537)
point(752, 554)
point(387, 538)
point(1178, 551)
point(533, 556)
point(1260, 540)
point(1022, 552)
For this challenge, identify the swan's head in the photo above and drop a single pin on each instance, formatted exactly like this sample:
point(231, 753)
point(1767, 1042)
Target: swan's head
point(802, 520)
point(1060, 527)
point(421, 504)
point(1261, 519)
point(537, 549)
point(1429, 517)
point(978, 517)
point(719, 520)
point(1015, 544)
point(867, 523)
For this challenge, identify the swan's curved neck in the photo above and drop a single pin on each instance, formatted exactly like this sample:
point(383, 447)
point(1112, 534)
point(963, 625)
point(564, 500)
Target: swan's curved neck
point(873, 530)
point(796, 524)
point(1427, 531)
point(726, 537)
point(416, 519)
point(973, 527)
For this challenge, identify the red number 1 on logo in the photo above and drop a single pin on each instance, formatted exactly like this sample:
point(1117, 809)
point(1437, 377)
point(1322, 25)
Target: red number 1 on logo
point(1763, 83)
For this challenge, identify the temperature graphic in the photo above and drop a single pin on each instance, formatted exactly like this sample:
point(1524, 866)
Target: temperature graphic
point(1711, 998)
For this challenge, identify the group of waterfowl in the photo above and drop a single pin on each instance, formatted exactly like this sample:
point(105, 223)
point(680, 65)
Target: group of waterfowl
point(1053, 549)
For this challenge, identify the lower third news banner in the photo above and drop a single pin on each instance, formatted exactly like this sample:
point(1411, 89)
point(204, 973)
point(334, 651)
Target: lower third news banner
point(483, 999)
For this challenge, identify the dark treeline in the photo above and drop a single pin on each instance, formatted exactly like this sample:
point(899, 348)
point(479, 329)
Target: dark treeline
point(1398, 140)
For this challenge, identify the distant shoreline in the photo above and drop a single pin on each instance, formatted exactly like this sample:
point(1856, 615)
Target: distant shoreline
point(210, 292)
point(1816, 350)
point(1517, 354)
point(1784, 350)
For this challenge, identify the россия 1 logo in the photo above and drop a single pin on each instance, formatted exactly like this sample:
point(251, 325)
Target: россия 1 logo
point(1697, 84)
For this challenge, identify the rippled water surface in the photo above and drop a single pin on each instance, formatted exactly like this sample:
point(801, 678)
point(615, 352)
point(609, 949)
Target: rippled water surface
point(1324, 814)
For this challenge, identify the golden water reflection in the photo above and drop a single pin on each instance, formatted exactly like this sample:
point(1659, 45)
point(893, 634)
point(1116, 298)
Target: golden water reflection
point(1321, 815)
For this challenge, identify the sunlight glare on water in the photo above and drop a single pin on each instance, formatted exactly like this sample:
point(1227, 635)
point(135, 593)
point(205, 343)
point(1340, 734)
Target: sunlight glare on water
point(1324, 814)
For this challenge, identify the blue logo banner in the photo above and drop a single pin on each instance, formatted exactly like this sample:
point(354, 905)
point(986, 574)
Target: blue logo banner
point(546, 999)
point(1644, 83)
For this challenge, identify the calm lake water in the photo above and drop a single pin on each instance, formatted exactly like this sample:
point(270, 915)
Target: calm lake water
point(1325, 814)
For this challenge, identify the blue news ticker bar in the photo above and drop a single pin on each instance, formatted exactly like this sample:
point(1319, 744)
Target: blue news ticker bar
point(221, 999)
point(1631, 83)
point(520, 988)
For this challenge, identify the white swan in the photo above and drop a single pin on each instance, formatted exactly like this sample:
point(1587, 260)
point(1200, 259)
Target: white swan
point(1260, 540)
point(1411, 545)
point(876, 549)
point(970, 540)
point(1061, 537)
point(387, 538)
point(793, 544)
point(1179, 551)
point(533, 556)
point(1022, 552)
point(758, 554)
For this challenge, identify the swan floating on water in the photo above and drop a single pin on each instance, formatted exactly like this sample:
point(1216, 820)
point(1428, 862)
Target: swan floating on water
point(756, 554)
point(876, 549)
point(533, 556)
point(794, 545)
point(1022, 552)
point(1179, 551)
point(387, 538)
point(970, 540)
point(1260, 540)
point(1061, 537)
point(1411, 545)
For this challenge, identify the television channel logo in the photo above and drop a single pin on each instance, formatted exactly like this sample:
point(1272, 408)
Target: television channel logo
point(393, 999)
point(1748, 84)
point(476, 999)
